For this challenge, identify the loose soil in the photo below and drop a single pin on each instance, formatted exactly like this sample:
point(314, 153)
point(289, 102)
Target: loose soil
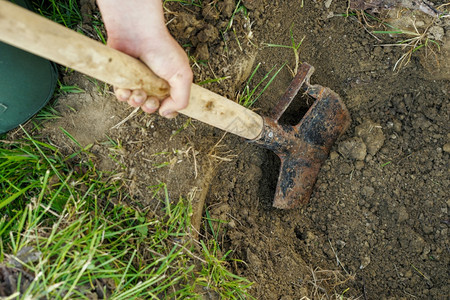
point(377, 224)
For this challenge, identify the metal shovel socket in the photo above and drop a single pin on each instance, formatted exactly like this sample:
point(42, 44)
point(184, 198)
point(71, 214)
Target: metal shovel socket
point(304, 147)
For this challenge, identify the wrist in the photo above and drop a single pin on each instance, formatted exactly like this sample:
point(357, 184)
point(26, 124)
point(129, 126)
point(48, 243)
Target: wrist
point(133, 19)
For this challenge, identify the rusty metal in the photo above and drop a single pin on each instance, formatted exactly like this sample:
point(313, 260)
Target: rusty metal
point(304, 147)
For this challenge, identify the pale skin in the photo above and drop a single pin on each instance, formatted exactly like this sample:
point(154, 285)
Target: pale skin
point(137, 27)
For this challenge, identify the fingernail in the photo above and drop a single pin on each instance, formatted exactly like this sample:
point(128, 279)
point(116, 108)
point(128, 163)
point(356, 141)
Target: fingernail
point(151, 104)
point(122, 95)
point(139, 99)
point(169, 114)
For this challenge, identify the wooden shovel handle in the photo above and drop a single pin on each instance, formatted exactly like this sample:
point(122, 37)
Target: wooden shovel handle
point(38, 35)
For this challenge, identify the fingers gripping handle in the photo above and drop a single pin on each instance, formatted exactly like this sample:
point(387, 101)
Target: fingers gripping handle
point(33, 33)
point(38, 35)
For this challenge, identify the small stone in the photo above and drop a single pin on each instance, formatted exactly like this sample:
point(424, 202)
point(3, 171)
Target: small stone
point(346, 168)
point(402, 214)
point(446, 148)
point(209, 34)
point(372, 135)
point(436, 32)
point(340, 244)
point(420, 23)
point(334, 155)
point(232, 224)
point(353, 148)
point(202, 52)
point(328, 251)
point(323, 187)
point(210, 12)
point(365, 261)
point(427, 229)
point(253, 4)
point(226, 7)
point(397, 126)
point(91, 295)
point(417, 245)
point(359, 165)
point(367, 191)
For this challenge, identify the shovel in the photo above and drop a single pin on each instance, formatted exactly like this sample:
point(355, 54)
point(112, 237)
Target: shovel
point(302, 148)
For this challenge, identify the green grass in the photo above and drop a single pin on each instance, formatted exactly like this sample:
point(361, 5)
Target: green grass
point(64, 12)
point(60, 228)
point(197, 3)
point(62, 89)
point(252, 91)
point(213, 80)
point(414, 43)
point(294, 46)
point(410, 41)
point(239, 8)
point(216, 264)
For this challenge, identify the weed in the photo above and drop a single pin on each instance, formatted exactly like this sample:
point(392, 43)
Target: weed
point(197, 3)
point(219, 279)
point(197, 62)
point(99, 27)
point(47, 113)
point(247, 26)
point(427, 278)
point(416, 41)
point(183, 127)
point(239, 8)
point(213, 80)
point(385, 164)
point(63, 89)
point(295, 47)
point(216, 277)
point(101, 87)
point(250, 95)
point(65, 12)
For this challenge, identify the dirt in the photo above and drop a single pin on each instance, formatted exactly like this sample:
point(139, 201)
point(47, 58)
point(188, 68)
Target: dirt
point(377, 224)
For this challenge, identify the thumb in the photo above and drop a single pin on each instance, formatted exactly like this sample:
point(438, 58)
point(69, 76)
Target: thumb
point(180, 88)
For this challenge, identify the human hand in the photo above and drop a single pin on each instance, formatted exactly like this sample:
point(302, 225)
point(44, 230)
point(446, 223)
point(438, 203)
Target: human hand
point(137, 27)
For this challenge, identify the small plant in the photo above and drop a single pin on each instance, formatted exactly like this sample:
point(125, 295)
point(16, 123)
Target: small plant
point(295, 47)
point(216, 275)
point(65, 12)
point(251, 94)
point(197, 3)
point(48, 113)
point(101, 87)
point(416, 41)
point(239, 8)
point(213, 80)
point(99, 29)
point(63, 89)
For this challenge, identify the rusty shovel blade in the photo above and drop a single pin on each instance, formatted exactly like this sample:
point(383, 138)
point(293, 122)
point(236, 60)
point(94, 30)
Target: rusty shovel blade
point(304, 147)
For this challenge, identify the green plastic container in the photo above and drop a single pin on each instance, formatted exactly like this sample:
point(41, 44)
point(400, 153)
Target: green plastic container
point(27, 83)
